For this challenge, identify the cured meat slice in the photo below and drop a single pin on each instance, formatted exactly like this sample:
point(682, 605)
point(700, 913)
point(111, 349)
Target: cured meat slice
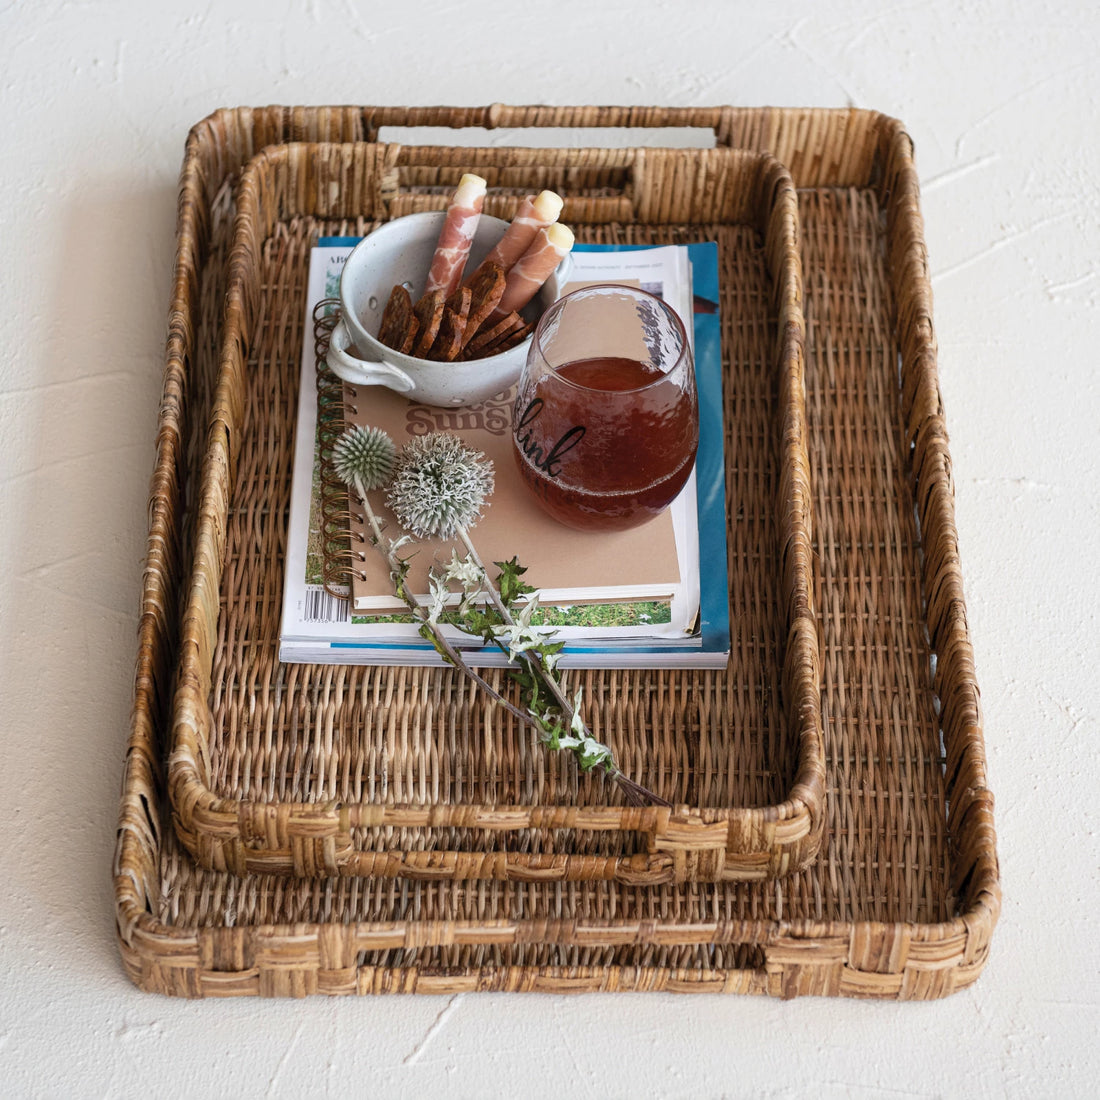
point(535, 212)
point(453, 247)
point(533, 268)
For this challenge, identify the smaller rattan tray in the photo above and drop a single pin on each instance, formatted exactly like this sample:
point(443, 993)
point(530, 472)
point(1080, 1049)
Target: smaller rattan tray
point(406, 772)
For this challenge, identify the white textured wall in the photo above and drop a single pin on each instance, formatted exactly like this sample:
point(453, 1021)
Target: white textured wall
point(97, 98)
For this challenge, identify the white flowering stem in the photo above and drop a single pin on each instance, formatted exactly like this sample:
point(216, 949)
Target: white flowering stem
point(635, 792)
point(502, 610)
point(421, 614)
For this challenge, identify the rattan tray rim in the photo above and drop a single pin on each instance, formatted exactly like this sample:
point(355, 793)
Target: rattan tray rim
point(750, 843)
point(220, 959)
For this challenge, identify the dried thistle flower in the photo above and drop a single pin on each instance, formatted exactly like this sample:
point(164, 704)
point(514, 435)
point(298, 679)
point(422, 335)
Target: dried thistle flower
point(364, 457)
point(439, 486)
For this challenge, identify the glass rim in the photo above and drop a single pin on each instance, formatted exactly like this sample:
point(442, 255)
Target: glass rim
point(678, 323)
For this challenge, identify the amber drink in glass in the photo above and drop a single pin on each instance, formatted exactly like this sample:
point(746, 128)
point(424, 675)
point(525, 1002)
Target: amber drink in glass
point(606, 420)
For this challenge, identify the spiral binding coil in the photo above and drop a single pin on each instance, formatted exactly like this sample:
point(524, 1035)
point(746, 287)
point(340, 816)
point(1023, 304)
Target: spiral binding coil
point(338, 557)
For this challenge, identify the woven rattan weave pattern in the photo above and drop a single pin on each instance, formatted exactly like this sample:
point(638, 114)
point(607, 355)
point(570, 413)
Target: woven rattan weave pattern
point(311, 769)
point(904, 896)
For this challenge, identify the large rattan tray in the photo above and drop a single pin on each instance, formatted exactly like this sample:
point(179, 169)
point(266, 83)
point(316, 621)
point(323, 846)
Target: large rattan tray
point(904, 896)
point(301, 768)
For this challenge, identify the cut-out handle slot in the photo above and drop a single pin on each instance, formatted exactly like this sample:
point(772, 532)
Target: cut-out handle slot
point(555, 137)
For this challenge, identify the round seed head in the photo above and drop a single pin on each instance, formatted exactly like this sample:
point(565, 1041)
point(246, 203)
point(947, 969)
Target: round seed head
point(439, 485)
point(364, 455)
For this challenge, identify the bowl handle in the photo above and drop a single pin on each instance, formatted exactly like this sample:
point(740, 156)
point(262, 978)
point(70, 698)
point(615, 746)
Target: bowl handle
point(360, 371)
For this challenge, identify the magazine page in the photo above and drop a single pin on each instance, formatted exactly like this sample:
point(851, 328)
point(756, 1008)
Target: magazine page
point(649, 572)
point(320, 626)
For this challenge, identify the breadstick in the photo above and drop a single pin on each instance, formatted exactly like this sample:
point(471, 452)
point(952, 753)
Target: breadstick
point(533, 268)
point(453, 248)
point(534, 213)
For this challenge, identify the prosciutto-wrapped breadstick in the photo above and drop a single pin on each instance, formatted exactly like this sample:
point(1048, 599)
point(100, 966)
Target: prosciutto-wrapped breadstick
point(453, 247)
point(533, 268)
point(535, 212)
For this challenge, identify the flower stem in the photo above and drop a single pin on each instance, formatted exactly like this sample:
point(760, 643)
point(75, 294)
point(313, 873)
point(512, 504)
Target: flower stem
point(635, 793)
point(502, 609)
point(414, 606)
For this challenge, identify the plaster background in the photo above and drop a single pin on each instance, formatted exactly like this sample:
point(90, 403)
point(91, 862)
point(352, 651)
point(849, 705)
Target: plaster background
point(97, 97)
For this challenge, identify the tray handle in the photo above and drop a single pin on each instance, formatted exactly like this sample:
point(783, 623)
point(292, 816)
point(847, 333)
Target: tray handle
point(656, 186)
point(598, 189)
point(712, 122)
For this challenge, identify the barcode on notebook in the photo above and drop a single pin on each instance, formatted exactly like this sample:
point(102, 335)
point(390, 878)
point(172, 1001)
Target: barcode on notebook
point(324, 607)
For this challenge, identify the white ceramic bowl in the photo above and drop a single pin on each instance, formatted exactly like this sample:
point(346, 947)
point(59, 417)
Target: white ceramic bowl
point(401, 252)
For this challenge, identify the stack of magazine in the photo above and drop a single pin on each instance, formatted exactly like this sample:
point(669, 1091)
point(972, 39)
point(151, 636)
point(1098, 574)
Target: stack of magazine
point(655, 596)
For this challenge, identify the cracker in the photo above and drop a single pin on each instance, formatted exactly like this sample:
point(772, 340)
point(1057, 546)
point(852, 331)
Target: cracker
point(459, 303)
point(452, 329)
point(429, 313)
point(505, 343)
point(511, 340)
point(491, 334)
point(486, 289)
point(398, 327)
point(448, 343)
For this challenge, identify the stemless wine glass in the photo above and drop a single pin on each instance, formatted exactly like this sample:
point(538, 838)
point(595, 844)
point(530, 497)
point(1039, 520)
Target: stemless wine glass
point(606, 420)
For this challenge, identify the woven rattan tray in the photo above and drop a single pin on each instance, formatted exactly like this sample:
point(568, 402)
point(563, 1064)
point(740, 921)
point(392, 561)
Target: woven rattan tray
point(904, 895)
point(737, 753)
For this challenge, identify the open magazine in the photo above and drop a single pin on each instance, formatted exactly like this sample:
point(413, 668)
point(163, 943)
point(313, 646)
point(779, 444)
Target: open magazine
point(632, 599)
